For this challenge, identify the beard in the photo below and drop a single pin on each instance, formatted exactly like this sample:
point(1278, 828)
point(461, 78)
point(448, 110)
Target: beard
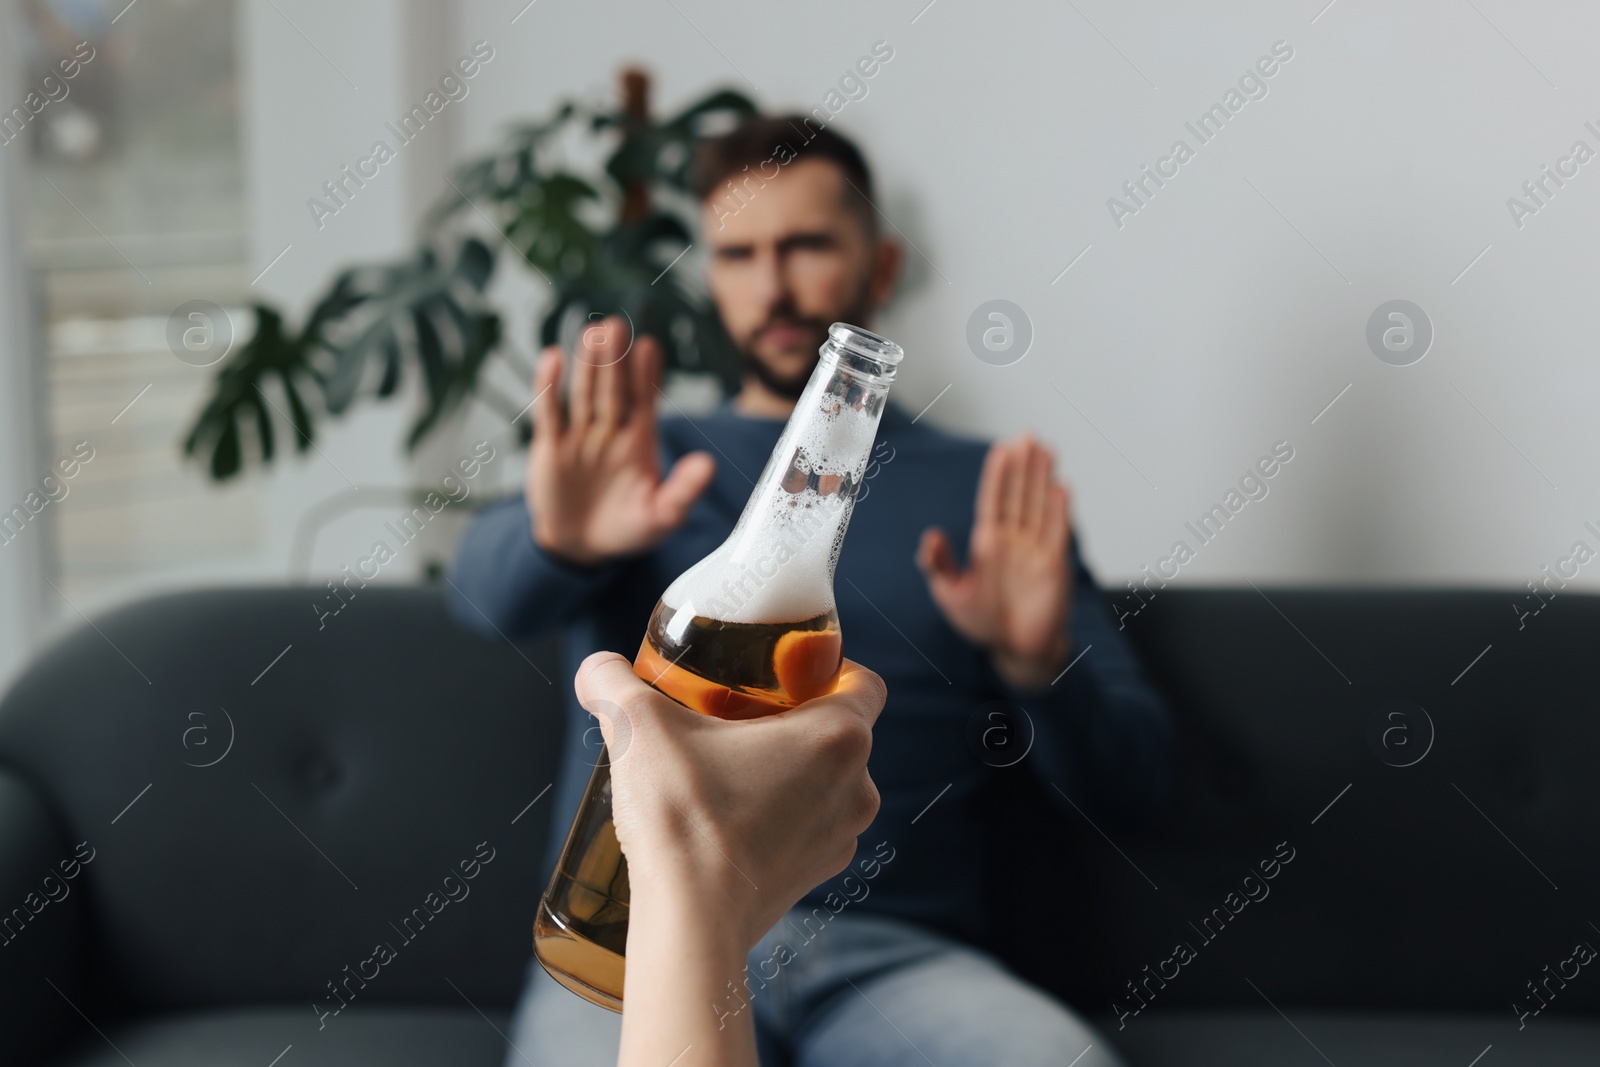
point(787, 383)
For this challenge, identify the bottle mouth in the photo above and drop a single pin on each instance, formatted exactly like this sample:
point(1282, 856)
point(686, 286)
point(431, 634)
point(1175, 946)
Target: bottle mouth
point(855, 340)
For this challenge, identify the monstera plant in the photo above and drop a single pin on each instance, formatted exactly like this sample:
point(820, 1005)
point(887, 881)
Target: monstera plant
point(429, 315)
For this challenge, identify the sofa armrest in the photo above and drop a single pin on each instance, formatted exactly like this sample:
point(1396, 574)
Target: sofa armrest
point(42, 925)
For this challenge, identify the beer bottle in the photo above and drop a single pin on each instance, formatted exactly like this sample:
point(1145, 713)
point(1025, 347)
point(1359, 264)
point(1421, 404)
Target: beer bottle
point(749, 630)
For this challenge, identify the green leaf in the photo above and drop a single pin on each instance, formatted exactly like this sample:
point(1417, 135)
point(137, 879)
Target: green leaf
point(298, 414)
point(475, 263)
point(270, 351)
point(681, 132)
point(391, 367)
point(225, 457)
point(263, 423)
point(472, 181)
point(547, 229)
point(431, 351)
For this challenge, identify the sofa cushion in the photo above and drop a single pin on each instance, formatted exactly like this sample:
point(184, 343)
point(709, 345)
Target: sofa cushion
point(1424, 874)
point(256, 1037)
point(273, 795)
point(1370, 1039)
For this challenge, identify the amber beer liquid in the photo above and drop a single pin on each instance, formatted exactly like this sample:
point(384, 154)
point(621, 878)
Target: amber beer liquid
point(749, 630)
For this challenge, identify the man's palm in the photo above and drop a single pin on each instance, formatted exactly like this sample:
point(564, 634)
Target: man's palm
point(594, 488)
point(1014, 597)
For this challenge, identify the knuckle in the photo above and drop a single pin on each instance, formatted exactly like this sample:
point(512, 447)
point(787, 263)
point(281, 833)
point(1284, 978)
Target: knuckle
point(839, 860)
point(868, 800)
point(587, 669)
point(844, 740)
point(876, 690)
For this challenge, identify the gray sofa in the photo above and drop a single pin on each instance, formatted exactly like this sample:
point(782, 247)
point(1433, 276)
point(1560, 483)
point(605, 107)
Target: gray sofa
point(213, 812)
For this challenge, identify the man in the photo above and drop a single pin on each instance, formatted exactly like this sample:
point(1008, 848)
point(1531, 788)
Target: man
point(892, 977)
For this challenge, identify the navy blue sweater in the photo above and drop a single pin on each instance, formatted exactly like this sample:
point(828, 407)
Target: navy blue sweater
point(1101, 734)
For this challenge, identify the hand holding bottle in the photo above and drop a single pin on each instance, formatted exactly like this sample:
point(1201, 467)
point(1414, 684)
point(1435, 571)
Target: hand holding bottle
point(725, 824)
point(594, 488)
point(735, 820)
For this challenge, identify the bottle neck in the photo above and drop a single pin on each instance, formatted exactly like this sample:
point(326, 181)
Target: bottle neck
point(821, 456)
point(777, 565)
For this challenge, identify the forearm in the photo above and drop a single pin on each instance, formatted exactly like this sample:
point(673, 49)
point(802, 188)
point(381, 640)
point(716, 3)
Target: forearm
point(1104, 733)
point(1033, 671)
point(1106, 747)
point(680, 966)
point(502, 582)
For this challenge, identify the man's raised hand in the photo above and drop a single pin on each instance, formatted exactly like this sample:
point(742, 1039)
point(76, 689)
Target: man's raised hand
point(1014, 598)
point(594, 488)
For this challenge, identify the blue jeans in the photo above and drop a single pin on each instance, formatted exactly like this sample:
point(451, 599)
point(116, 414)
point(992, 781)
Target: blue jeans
point(858, 991)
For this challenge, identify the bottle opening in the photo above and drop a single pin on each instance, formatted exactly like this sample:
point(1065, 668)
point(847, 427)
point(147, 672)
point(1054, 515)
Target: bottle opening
point(862, 342)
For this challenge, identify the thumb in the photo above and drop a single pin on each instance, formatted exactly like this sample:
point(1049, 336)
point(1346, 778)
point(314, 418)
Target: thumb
point(607, 688)
point(937, 561)
point(683, 484)
point(935, 557)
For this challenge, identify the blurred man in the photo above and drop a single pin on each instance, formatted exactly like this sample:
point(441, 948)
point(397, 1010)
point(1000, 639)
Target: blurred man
point(959, 584)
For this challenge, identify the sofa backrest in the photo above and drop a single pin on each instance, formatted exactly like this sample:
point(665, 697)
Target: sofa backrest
point(371, 757)
point(1450, 882)
point(270, 796)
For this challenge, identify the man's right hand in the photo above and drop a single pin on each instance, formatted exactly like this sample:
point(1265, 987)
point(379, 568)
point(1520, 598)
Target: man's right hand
point(594, 488)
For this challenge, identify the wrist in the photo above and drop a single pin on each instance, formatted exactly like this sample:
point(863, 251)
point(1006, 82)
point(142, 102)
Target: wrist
point(565, 554)
point(672, 923)
point(676, 893)
point(685, 982)
point(1033, 670)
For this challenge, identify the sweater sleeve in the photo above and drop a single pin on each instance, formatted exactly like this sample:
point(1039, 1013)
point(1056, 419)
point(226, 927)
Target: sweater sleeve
point(1102, 734)
point(503, 582)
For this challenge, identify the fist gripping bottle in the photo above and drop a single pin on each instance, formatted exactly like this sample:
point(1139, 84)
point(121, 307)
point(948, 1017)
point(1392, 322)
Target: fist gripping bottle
point(749, 630)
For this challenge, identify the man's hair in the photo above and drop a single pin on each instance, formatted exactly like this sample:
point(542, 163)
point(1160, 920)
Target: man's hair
point(738, 156)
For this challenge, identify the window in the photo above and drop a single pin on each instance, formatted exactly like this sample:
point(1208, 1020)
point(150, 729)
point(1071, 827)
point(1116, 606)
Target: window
point(135, 204)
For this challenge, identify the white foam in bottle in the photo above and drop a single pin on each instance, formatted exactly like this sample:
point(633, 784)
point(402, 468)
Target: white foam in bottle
point(777, 564)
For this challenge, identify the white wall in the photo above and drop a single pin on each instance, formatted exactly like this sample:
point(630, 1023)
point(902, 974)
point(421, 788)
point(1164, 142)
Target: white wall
point(1206, 328)
point(305, 121)
point(308, 111)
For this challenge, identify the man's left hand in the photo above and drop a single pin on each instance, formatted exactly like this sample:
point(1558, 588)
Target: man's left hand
point(1014, 599)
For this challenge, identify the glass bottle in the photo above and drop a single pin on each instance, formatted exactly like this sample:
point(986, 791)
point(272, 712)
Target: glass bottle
point(749, 630)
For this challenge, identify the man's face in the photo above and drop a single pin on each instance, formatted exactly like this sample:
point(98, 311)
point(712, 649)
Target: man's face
point(785, 266)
